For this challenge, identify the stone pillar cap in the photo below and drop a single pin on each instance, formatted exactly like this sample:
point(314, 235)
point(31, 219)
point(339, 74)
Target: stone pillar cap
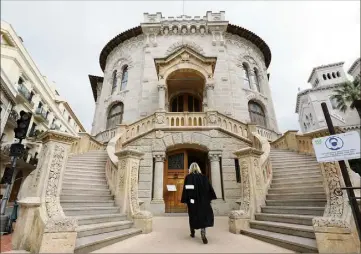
point(30, 202)
point(58, 136)
point(248, 151)
point(129, 153)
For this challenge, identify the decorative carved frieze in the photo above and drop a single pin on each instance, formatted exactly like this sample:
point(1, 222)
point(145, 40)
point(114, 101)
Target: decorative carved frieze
point(57, 136)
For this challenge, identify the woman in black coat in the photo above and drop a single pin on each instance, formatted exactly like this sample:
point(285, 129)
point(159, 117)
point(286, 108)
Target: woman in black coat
point(198, 194)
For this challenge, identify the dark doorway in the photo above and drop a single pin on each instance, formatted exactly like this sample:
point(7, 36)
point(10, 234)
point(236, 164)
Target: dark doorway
point(201, 158)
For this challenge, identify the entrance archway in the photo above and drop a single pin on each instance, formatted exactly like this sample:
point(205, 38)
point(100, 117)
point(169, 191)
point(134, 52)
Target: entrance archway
point(175, 170)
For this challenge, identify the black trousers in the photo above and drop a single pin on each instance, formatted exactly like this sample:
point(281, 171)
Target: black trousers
point(203, 230)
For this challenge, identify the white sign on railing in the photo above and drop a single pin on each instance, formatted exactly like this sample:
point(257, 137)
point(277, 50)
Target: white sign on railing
point(345, 146)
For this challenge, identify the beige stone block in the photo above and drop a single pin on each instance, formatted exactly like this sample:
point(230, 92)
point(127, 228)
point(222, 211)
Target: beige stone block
point(337, 243)
point(236, 225)
point(63, 242)
point(146, 225)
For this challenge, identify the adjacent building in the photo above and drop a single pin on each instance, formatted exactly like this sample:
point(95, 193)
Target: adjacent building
point(23, 87)
point(324, 80)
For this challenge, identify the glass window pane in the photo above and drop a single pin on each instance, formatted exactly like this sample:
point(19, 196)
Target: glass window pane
point(176, 161)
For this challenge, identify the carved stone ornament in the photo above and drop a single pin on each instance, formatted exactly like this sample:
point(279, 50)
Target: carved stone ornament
point(248, 151)
point(159, 118)
point(159, 156)
point(212, 117)
point(214, 155)
point(245, 186)
point(57, 136)
point(330, 222)
point(159, 134)
point(134, 201)
point(177, 45)
point(237, 214)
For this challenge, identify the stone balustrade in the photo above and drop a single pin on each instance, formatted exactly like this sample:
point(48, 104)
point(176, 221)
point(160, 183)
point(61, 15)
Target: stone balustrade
point(266, 133)
point(85, 144)
point(106, 135)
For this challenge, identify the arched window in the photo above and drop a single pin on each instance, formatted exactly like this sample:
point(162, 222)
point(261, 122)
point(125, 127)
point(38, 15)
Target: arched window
point(256, 113)
point(328, 75)
point(305, 126)
point(256, 79)
point(124, 78)
point(114, 81)
point(324, 76)
point(246, 76)
point(333, 75)
point(115, 115)
point(338, 74)
point(311, 118)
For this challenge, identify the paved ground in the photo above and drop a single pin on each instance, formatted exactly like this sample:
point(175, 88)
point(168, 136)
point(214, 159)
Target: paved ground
point(5, 243)
point(171, 235)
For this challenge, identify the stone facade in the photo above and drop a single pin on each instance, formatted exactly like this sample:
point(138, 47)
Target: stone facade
point(156, 143)
point(208, 37)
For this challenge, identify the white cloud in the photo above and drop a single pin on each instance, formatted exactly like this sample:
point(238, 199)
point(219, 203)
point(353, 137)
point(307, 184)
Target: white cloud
point(65, 39)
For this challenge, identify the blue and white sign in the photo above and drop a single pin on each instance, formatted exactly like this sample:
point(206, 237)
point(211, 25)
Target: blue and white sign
point(345, 146)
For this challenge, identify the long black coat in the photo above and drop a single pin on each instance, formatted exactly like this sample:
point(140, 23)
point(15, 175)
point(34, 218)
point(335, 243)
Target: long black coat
point(199, 210)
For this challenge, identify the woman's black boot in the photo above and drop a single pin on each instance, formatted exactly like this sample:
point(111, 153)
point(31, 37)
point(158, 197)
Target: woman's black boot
point(203, 234)
point(192, 232)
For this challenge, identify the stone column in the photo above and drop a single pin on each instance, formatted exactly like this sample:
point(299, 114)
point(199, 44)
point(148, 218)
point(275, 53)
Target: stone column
point(216, 173)
point(161, 97)
point(127, 189)
point(239, 219)
point(158, 200)
point(51, 230)
point(210, 98)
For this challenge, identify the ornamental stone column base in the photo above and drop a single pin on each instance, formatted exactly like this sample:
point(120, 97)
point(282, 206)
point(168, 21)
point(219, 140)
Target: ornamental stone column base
point(61, 242)
point(238, 221)
point(158, 206)
point(144, 221)
point(334, 235)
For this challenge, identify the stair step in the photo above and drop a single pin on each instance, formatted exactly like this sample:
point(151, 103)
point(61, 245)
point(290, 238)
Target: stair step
point(296, 179)
point(85, 166)
point(295, 243)
point(80, 176)
point(91, 210)
point(67, 191)
point(82, 203)
point(86, 196)
point(90, 160)
point(310, 183)
point(298, 202)
point(299, 195)
point(84, 180)
point(284, 228)
point(70, 185)
point(295, 174)
point(300, 210)
point(100, 218)
point(84, 172)
point(91, 243)
point(295, 168)
point(295, 189)
point(286, 218)
point(100, 228)
point(288, 162)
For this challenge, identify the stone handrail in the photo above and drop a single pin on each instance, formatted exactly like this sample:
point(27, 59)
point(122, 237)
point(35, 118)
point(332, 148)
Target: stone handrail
point(106, 135)
point(266, 133)
point(85, 144)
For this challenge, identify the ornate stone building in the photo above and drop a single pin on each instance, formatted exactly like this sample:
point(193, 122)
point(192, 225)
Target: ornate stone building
point(175, 80)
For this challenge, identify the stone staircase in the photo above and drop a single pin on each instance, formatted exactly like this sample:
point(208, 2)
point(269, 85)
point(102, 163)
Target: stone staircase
point(85, 195)
point(296, 195)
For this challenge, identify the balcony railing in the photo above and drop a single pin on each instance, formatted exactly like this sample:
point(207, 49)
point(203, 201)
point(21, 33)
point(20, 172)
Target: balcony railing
point(25, 94)
point(41, 114)
point(13, 117)
point(55, 127)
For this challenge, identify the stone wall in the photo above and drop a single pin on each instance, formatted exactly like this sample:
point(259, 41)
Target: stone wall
point(207, 141)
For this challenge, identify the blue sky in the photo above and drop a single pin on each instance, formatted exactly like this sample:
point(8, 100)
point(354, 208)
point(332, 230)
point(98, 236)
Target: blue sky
point(65, 39)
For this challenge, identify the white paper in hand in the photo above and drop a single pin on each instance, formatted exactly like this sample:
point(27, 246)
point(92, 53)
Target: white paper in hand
point(192, 201)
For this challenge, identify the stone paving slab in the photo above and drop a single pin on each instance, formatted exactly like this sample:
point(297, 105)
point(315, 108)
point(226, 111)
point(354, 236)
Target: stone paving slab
point(171, 235)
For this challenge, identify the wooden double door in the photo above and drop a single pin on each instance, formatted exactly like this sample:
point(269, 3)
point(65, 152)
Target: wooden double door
point(175, 170)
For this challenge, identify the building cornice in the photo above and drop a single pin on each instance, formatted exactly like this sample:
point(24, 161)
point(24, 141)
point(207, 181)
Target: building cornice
point(323, 67)
point(353, 66)
point(307, 91)
point(94, 80)
point(233, 29)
